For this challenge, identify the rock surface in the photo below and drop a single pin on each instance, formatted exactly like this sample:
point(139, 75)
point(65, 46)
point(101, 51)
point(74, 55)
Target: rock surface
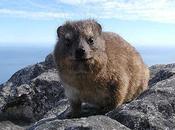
point(161, 72)
point(34, 98)
point(30, 93)
point(90, 123)
point(7, 125)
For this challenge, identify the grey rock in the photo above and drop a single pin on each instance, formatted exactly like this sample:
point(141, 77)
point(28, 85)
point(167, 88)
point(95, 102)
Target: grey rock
point(161, 72)
point(49, 62)
point(7, 125)
point(90, 123)
point(55, 112)
point(31, 92)
point(152, 110)
point(64, 106)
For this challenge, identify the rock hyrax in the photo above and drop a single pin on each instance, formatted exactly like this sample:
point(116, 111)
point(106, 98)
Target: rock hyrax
point(97, 67)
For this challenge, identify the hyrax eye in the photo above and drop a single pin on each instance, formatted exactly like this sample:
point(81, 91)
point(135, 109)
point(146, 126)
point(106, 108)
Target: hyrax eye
point(90, 41)
point(68, 42)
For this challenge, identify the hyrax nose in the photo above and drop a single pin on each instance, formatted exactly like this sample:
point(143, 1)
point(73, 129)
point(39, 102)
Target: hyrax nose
point(79, 53)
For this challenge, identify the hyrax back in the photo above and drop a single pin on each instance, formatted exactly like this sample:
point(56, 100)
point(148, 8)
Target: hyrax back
point(98, 67)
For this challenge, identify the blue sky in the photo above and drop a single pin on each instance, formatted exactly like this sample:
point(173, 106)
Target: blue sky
point(34, 22)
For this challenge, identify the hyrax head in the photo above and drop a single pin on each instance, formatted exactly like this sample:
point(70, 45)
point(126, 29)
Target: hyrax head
point(80, 45)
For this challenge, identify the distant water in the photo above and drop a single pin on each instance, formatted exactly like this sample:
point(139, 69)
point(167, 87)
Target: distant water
point(15, 58)
point(157, 55)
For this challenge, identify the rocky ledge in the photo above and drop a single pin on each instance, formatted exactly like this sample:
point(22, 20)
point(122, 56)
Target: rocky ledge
point(33, 98)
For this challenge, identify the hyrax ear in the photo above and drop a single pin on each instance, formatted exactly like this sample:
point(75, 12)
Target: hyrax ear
point(59, 30)
point(99, 27)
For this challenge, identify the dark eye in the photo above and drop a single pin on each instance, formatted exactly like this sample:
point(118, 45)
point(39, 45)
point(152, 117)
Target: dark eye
point(90, 41)
point(68, 42)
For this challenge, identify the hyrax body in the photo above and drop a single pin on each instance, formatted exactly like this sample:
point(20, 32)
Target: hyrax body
point(97, 67)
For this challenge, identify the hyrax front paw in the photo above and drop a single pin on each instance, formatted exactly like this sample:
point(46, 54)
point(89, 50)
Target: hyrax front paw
point(72, 112)
point(69, 113)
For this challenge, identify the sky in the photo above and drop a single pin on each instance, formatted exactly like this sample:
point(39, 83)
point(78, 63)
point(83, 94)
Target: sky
point(34, 22)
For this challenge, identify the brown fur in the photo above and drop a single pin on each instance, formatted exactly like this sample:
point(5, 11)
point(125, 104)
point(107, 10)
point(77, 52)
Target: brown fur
point(114, 74)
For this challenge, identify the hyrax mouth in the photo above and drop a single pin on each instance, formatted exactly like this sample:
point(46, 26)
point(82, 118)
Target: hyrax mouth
point(81, 59)
point(82, 65)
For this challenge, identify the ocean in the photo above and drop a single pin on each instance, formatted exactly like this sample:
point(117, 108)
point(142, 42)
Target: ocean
point(13, 59)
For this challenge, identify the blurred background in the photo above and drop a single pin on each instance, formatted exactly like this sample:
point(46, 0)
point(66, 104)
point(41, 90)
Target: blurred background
point(28, 28)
